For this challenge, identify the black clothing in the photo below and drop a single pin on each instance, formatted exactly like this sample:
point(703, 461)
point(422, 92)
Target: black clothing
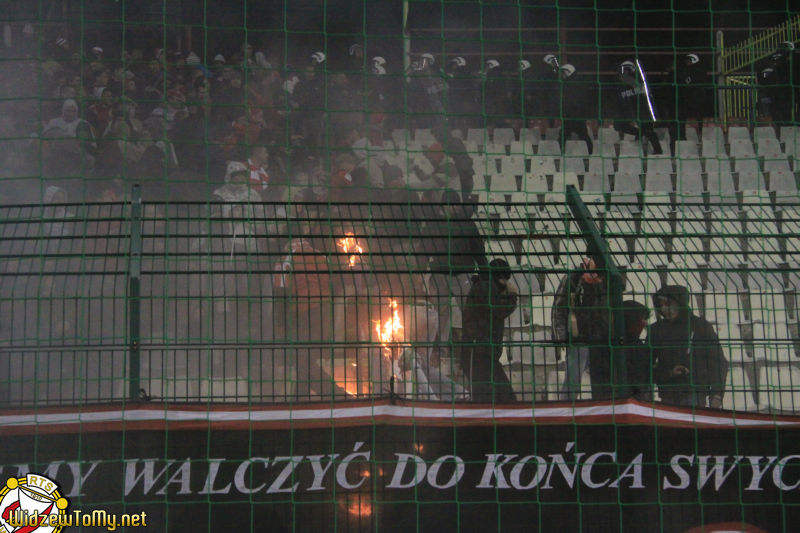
point(637, 114)
point(455, 246)
point(689, 341)
point(574, 109)
point(589, 303)
point(483, 320)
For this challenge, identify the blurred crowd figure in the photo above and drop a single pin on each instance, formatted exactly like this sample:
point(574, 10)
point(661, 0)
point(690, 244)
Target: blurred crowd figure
point(312, 134)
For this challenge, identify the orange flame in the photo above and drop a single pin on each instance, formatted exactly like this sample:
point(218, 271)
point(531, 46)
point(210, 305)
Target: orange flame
point(390, 330)
point(349, 244)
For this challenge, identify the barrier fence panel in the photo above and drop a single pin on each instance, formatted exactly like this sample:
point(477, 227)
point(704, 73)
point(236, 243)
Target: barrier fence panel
point(377, 266)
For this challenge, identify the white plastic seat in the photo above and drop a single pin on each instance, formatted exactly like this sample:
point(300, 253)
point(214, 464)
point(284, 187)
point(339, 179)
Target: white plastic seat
point(542, 164)
point(686, 149)
point(521, 148)
point(549, 147)
point(607, 135)
point(424, 137)
point(738, 132)
point(738, 391)
point(504, 182)
point(764, 133)
point(750, 177)
point(784, 181)
point(742, 148)
point(478, 135)
point(776, 163)
point(575, 163)
point(512, 164)
point(529, 136)
point(779, 388)
point(770, 148)
point(504, 136)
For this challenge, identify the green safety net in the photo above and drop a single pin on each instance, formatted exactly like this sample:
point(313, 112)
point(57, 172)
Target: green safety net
point(398, 266)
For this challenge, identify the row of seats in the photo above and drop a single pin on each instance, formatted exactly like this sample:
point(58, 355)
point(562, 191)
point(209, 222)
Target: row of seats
point(709, 134)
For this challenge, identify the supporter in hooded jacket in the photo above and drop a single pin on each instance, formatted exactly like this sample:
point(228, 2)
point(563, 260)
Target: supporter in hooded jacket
point(690, 367)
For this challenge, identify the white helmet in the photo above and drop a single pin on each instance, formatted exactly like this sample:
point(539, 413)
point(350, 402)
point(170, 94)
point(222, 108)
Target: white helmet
point(492, 63)
point(693, 59)
point(354, 49)
point(627, 68)
point(567, 70)
point(426, 59)
point(378, 60)
point(551, 60)
point(524, 64)
point(318, 57)
point(459, 61)
point(234, 167)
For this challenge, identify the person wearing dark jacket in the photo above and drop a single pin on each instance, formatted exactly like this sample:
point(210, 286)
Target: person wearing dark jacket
point(690, 367)
point(637, 115)
point(637, 354)
point(491, 300)
point(456, 250)
point(574, 98)
point(457, 151)
point(580, 319)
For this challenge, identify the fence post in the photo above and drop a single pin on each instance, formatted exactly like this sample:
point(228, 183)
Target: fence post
point(134, 303)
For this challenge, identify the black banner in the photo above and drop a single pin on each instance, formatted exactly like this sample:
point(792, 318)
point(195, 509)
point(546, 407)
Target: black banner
point(425, 476)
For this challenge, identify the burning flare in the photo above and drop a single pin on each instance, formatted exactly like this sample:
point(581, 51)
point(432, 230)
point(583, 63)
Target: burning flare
point(390, 331)
point(349, 244)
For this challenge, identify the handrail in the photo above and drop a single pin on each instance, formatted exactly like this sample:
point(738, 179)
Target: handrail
point(759, 46)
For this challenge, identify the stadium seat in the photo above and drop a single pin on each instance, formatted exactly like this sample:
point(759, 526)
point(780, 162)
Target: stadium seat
point(738, 133)
point(764, 133)
point(741, 148)
point(778, 387)
point(521, 148)
point(478, 135)
point(504, 136)
point(549, 147)
point(770, 147)
point(529, 136)
point(424, 137)
point(738, 391)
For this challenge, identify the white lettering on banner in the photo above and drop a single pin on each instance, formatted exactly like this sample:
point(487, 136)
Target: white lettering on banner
point(241, 471)
point(458, 472)
point(683, 475)
point(319, 471)
point(494, 470)
point(291, 463)
point(558, 460)
point(146, 475)
point(213, 470)
point(777, 473)
point(341, 472)
point(718, 470)
point(182, 477)
point(568, 470)
point(586, 471)
point(419, 473)
point(516, 472)
point(633, 471)
point(758, 473)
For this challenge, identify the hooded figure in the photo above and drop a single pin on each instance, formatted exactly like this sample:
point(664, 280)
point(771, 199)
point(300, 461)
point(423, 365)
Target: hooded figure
point(491, 300)
point(690, 367)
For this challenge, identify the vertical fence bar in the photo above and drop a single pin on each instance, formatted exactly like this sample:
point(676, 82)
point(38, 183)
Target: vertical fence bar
point(134, 302)
point(597, 246)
